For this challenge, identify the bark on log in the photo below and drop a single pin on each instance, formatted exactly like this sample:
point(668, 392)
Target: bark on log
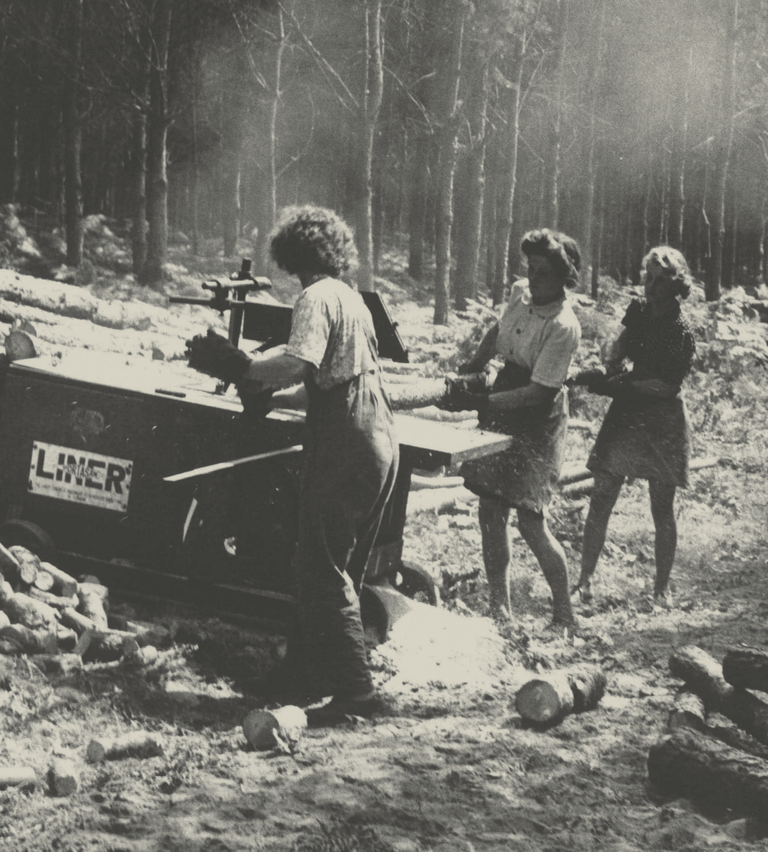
point(76, 620)
point(67, 638)
point(688, 711)
point(4, 620)
point(107, 647)
point(63, 777)
point(9, 565)
point(22, 609)
point(280, 728)
point(29, 563)
point(703, 674)
point(58, 663)
point(63, 583)
point(93, 604)
point(53, 601)
point(418, 394)
point(6, 592)
point(432, 412)
point(31, 641)
point(549, 697)
point(691, 764)
point(746, 668)
point(17, 776)
point(138, 744)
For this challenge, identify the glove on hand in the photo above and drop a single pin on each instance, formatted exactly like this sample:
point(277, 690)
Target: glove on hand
point(256, 406)
point(615, 386)
point(461, 395)
point(214, 355)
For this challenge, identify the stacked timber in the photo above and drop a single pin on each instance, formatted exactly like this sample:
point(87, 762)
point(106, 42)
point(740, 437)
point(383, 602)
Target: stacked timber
point(64, 623)
point(716, 746)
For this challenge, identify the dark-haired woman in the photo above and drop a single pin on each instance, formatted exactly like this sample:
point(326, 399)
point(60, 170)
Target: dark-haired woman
point(645, 434)
point(536, 337)
point(350, 457)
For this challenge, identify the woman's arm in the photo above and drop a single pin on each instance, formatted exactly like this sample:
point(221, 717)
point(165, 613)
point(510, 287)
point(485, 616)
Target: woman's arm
point(486, 351)
point(655, 387)
point(615, 352)
point(527, 396)
point(294, 397)
point(276, 369)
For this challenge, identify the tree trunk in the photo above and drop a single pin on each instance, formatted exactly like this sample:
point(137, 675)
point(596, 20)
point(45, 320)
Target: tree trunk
point(9, 136)
point(73, 134)
point(690, 764)
point(469, 240)
point(724, 144)
point(370, 106)
point(139, 154)
point(157, 134)
point(677, 165)
point(552, 170)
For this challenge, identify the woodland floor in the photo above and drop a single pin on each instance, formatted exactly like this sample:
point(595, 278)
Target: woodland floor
point(453, 769)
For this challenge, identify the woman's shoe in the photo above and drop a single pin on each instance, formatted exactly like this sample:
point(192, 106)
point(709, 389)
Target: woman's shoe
point(340, 710)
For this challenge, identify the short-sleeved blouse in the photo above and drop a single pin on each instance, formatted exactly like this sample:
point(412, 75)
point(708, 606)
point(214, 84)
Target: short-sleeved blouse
point(660, 347)
point(332, 329)
point(540, 338)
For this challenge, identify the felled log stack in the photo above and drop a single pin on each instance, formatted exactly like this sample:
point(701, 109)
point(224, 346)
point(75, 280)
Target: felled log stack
point(64, 623)
point(716, 746)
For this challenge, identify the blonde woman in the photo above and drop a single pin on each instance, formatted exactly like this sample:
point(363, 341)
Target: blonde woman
point(645, 434)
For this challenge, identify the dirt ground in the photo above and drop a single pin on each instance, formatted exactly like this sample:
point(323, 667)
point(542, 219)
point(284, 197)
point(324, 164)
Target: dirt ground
point(452, 768)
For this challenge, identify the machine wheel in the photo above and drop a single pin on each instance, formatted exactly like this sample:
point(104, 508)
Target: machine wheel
point(413, 582)
point(29, 535)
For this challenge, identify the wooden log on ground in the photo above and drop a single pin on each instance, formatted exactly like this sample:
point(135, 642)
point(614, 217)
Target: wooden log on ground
point(58, 663)
point(6, 592)
point(63, 584)
point(105, 647)
point(703, 674)
point(17, 776)
point(22, 609)
point(43, 581)
point(725, 730)
point(280, 728)
point(63, 777)
point(94, 603)
point(688, 763)
point(76, 620)
point(139, 744)
point(688, 711)
point(66, 637)
point(9, 565)
point(549, 697)
point(29, 563)
point(746, 668)
point(54, 601)
point(30, 641)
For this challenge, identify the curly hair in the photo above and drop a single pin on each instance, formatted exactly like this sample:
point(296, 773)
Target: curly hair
point(312, 239)
point(558, 248)
point(673, 266)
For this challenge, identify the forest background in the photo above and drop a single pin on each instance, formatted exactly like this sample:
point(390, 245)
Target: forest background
point(442, 128)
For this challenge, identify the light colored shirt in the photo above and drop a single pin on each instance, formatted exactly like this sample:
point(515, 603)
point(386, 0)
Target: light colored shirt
point(541, 338)
point(332, 329)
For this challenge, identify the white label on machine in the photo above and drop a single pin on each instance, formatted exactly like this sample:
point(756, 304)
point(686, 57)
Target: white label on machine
point(80, 477)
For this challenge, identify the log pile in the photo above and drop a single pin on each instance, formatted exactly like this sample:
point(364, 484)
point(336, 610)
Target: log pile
point(64, 623)
point(716, 747)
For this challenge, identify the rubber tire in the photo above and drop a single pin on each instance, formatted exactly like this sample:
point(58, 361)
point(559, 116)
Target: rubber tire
point(414, 580)
point(30, 535)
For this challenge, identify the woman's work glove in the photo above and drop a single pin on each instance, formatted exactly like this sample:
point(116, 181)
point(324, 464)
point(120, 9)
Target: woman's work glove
point(465, 394)
point(215, 356)
point(256, 405)
point(614, 386)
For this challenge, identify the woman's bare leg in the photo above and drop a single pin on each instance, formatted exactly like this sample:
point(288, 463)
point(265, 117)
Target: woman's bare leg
point(494, 517)
point(551, 557)
point(604, 496)
point(663, 511)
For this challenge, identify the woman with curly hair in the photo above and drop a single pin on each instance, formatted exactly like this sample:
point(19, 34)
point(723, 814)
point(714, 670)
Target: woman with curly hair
point(645, 433)
point(536, 338)
point(350, 458)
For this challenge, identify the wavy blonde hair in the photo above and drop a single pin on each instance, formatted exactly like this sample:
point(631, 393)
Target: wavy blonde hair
point(673, 266)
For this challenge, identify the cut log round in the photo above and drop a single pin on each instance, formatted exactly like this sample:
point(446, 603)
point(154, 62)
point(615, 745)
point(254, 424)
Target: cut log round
point(43, 581)
point(138, 744)
point(688, 711)
point(267, 729)
point(29, 563)
point(545, 699)
point(691, 764)
point(63, 777)
point(63, 584)
point(747, 668)
point(17, 776)
point(588, 685)
point(703, 674)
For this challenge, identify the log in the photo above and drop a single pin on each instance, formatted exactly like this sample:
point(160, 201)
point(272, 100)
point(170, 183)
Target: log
point(22, 609)
point(29, 563)
point(4, 620)
point(63, 584)
point(53, 601)
point(17, 776)
point(725, 730)
point(432, 412)
point(31, 641)
point(688, 763)
point(6, 592)
point(688, 711)
point(105, 647)
point(94, 603)
point(66, 637)
point(419, 483)
point(418, 394)
point(280, 728)
point(76, 620)
point(140, 744)
point(63, 777)
point(58, 663)
point(551, 696)
point(138, 658)
point(43, 581)
point(703, 674)
point(746, 668)
point(9, 565)
point(439, 499)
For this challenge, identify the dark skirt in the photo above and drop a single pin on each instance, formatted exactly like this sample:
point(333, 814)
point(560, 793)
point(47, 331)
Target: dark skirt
point(525, 475)
point(644, 439)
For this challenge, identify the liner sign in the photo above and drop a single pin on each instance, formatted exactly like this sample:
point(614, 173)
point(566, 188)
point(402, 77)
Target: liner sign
point(80, 477)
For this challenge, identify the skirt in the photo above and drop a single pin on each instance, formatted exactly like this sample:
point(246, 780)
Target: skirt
point(644, 439)
point(525, 475)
